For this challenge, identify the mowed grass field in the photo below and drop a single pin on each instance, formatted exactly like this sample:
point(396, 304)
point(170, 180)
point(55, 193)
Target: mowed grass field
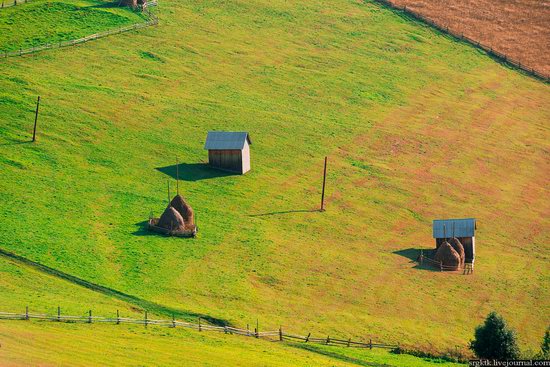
point(51, 344)
point(41, 22)
point(416, 126)
point(517, 28)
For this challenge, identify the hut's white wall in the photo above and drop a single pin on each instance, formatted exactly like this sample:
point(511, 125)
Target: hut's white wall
point(245, 158)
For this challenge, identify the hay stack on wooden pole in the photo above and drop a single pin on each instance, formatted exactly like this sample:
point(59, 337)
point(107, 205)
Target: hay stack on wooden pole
point(179, 203)
point(171, 219)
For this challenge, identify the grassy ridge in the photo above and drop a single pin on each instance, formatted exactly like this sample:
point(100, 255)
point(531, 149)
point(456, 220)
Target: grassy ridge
point(41, 22)
point(417, 126)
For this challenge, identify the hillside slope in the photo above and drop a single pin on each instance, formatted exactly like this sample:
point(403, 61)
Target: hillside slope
point(517, 28)
point(416, 127)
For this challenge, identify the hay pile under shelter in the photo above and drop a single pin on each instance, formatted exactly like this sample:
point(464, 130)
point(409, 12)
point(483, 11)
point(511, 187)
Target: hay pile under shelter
point(447, 257)
point(134, 4)
point(178, 219)
point(457, 246)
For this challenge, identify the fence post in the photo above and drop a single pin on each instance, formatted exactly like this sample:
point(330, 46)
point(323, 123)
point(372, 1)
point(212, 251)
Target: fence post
point(26, 312)
point(145, 318)
point(441, 266)
point(280, 333)
point(257, 328)
point(421, 256)
point(307, 337)
point(58, 313)
point(89, 316)
point(370, 343)
point(349, 341)
point(173, 321)
point(200, 328)
point(247, 330)
point(328, 339)
point(117, 317)
point(225, 329)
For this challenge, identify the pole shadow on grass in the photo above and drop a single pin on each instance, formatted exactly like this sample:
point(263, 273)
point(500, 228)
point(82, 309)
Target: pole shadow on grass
point(413, 255)
point(125, 297)
point(15, 142)
point(285, 212)
point(194, 171)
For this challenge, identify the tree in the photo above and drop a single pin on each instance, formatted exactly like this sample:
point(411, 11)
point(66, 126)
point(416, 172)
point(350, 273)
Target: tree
point(545, 346)
point(495, 340)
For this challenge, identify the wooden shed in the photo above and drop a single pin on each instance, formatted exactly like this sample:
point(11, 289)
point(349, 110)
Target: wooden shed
point(463, 229)
point(229, 151)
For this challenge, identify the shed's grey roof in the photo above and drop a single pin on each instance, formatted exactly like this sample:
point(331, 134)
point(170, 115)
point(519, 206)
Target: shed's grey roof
point(447, 228)
point(226, 140)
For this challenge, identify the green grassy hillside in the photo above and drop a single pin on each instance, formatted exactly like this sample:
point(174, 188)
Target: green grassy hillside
point(41, 22)
point(416, 125)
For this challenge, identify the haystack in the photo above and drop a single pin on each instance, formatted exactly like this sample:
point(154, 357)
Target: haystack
point(171, 219)
point(457, 246)
point(179, 203)
point(447, 255)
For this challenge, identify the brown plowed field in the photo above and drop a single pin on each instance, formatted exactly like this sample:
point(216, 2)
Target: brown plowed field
point(519, 29)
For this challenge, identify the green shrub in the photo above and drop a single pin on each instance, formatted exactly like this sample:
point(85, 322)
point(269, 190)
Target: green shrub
point(545, 346)
point(495, 340)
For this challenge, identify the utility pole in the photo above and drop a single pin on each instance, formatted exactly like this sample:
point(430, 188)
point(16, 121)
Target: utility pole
point(177, 177)
point(324, 183)
point(35, 119)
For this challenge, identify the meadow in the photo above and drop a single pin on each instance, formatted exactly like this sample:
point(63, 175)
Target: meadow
point(41, 22)
point(516, 28)
point(416, 125)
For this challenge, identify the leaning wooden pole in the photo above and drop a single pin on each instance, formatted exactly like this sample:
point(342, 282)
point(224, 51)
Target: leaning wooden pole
point(324, 183)
point(35, 119)
point(177, 177)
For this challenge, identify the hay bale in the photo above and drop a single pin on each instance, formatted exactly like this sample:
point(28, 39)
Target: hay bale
point(447, 255)
point(179, 203)
point(457, 246)
point(171, 219)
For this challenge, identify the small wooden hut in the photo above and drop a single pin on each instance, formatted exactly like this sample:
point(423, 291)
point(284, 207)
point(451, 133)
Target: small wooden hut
point(229, 151)
point(462, 229)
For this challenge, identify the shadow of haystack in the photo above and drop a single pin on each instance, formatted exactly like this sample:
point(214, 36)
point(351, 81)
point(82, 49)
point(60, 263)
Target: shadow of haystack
point(194, 171)
point(143, 229)
point(413, 255)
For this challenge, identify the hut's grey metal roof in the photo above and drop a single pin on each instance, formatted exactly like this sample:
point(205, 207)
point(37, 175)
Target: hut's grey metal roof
point(447, 228)
point(221, 140)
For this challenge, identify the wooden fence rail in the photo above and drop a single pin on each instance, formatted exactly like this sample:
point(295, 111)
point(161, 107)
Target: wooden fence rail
point(502, 57)
point(200, 326)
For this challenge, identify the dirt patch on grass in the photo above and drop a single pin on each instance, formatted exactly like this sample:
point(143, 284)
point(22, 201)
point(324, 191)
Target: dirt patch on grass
point(516, 28)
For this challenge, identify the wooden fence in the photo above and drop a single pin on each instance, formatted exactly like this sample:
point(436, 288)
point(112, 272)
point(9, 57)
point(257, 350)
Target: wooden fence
point(200, 326)
point(422, 259)
point(10, 3)
point(502, 57)
point(151, 20)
